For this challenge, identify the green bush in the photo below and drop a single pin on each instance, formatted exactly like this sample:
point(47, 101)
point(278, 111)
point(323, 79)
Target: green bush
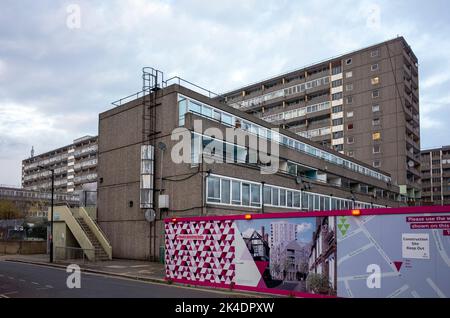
point(318, 283)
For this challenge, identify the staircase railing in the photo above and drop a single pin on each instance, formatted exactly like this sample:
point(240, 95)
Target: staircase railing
point(97, 231)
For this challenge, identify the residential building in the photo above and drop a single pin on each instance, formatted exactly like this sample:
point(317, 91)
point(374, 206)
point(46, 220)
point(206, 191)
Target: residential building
point(35, 203)
point(436, 176)
point(364, 104)
point(141, 180)
point(74, 165)
point(323, 253)
point(258, 245)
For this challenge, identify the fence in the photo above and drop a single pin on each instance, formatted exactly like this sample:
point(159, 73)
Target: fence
point(392, 252)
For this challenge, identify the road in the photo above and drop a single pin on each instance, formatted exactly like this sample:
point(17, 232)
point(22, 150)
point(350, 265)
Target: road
point(20, 280)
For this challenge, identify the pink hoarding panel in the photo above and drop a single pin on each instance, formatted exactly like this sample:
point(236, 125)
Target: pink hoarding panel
point(315, 254)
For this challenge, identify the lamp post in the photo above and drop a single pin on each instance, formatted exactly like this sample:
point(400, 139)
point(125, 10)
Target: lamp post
point(51, 211)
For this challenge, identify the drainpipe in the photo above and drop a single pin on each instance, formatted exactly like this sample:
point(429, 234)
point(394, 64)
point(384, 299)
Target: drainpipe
point(262, 196)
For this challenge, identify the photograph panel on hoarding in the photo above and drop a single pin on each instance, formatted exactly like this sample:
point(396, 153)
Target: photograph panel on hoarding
point(293, 254)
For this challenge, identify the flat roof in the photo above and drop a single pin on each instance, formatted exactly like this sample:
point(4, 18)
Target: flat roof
point(311, 65)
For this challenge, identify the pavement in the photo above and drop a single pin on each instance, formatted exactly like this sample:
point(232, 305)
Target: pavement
point(130, 270)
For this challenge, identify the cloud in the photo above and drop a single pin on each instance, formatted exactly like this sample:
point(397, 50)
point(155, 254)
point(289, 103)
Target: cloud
point(303, 227)
point(51, 75)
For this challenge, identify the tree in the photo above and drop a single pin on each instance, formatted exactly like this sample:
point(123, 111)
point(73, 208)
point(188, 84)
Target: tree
point(8, 210)
point(318, 283)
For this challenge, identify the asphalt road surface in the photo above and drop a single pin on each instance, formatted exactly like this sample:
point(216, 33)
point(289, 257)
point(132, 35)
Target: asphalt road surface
point(20, 280)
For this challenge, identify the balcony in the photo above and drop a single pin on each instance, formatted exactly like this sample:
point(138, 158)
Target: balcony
point(412, 129)
point(86, 164)
point(85, 151)
point(407, 70)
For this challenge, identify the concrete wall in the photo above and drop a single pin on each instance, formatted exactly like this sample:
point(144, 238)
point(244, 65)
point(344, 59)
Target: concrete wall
point(119, 214)
point(23, 247)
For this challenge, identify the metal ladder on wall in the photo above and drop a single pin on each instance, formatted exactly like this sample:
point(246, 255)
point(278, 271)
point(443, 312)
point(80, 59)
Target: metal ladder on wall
point(152, 81)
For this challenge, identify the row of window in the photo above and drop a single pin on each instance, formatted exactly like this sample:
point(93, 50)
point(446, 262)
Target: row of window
point(300, 88)
point(40, 195)
point(297, 112)
point(189, 105)
point(315, 132)
point(231, 191)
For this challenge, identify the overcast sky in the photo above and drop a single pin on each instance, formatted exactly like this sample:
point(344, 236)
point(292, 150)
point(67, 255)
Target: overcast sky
point(55, 77)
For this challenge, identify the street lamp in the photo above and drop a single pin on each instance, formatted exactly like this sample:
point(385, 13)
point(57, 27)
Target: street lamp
point(51, 210)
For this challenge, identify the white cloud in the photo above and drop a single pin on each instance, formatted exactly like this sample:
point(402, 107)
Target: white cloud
point(304, 227)
point(50, 73)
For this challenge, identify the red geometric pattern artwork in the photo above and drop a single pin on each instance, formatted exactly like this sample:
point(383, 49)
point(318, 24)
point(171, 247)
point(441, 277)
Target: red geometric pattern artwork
point(200, 251)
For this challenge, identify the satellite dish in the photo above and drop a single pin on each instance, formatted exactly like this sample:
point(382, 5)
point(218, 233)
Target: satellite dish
point(298, 180)
point(411, 163)
point(150, 215)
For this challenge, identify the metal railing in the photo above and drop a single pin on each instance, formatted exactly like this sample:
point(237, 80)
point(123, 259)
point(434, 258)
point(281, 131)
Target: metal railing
point(173, 80)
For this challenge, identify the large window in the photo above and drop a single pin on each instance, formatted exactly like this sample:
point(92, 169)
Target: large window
point(214, 189)
point(236, 192)
point(190, 105)
point(225, 191)
point(245, 194)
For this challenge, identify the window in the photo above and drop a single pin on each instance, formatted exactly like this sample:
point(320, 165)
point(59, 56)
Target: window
point(296, 203)
point(282, 197)
point(374, 67)
point(206, 111)
point(236, 192)
point(375, 80)
point(289, 198)
point(376, 149)
point(376, 136)
point(349, 74)
point(337, 109)
point(339, 147)
point(305, 197)
point(275, 196)
point(338, 121)
point(349, 114)
point(337, 96)
point(375, 108)
point(336, 70)
point(349, 87)
point(377, 163)
point(227, 119)
point(375, 94)
point(376, 122)
point(267, 195)
point(349, 99)
point(225, 191)
point(213, 189)
point(350, 140)
point(338, 134)
point(349, 126)
point(336, 83)
point(255, 194)
point(217, 115)
point(374, 53)
point(245, 194)
point(348, 61)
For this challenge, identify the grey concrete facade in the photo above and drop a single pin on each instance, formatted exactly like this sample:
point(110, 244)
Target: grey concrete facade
point(191, 187)
point(371, 109)
point(436, 176)
point(74, 165)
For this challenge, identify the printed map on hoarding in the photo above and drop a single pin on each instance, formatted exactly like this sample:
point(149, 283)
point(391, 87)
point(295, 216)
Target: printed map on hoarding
point(412, 252)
